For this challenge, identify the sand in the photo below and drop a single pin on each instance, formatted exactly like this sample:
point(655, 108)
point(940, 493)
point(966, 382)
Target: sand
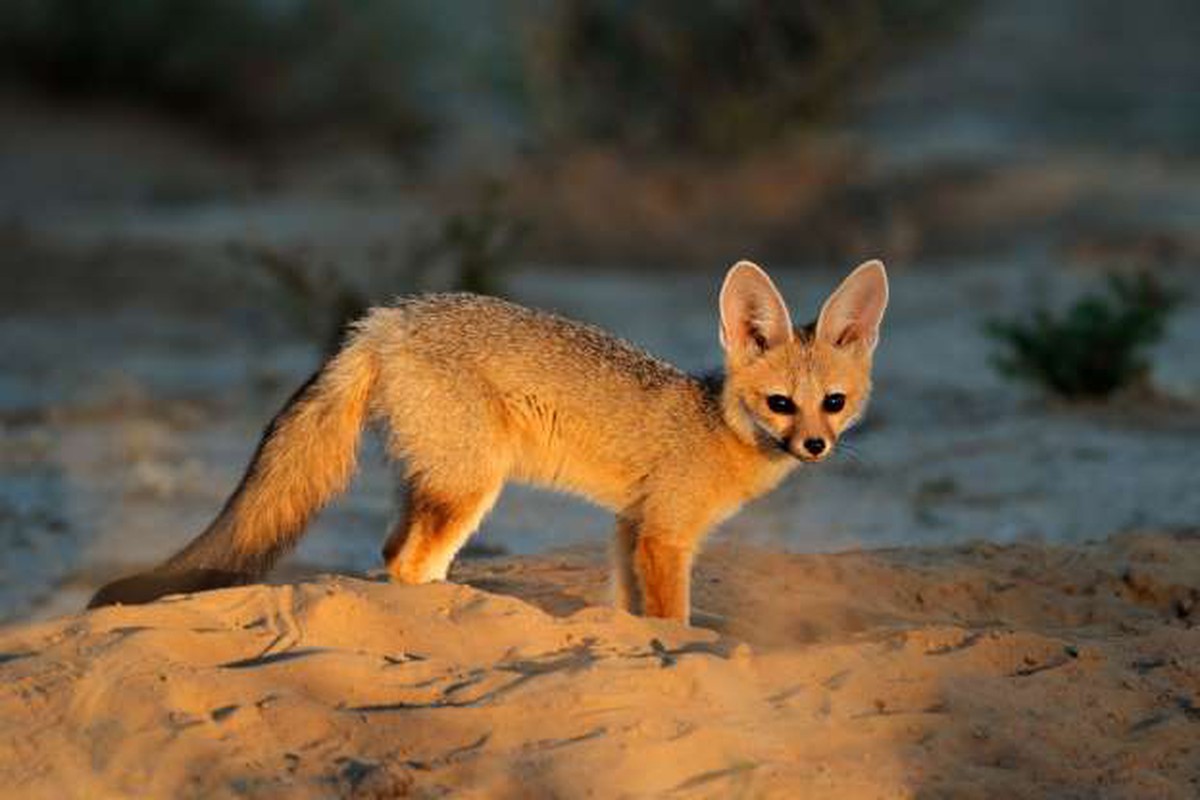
point(971, 671)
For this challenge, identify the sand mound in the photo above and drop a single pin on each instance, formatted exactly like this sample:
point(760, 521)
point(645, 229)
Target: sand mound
point(981, 671)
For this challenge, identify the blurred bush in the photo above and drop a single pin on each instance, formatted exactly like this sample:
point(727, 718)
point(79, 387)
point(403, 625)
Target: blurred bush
point(319, 296)
point(710, 75)
point(251, 67)
point(1095, 347)
point(479, 243)
point(316, 296)
point(706, 75)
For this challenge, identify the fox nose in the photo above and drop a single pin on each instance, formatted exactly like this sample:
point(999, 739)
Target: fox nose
point(815, 445)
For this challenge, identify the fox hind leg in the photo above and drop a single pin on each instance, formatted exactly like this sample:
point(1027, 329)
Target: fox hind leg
point(434, 526)
point(628, 593)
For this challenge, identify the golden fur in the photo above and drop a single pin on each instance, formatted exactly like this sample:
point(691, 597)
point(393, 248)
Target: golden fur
point(474, 391)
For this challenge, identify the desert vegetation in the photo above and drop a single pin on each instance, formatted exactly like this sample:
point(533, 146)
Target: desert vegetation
point(1095, 347)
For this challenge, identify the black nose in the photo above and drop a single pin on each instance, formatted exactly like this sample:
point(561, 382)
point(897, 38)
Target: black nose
point(815, 446)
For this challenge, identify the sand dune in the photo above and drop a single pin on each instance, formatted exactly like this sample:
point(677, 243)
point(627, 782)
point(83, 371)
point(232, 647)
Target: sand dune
point(977, 671)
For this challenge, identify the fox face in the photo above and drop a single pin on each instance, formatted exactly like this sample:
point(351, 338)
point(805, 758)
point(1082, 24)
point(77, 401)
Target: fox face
point(795, 391)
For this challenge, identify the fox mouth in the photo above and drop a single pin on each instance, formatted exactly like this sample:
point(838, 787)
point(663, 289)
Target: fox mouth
point(770, 441)
point(800, 454)
point(785, 446)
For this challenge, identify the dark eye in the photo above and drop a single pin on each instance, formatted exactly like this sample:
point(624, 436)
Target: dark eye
point(833, 402)
point(781, 404)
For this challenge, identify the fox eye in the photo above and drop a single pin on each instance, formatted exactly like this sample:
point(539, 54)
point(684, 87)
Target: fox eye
point(833, 402)
point(781, 404)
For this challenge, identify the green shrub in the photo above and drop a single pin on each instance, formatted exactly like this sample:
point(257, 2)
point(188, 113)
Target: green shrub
point(1095, 347)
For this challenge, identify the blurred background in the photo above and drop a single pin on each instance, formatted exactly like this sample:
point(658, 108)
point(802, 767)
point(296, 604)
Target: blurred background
point(195, 197)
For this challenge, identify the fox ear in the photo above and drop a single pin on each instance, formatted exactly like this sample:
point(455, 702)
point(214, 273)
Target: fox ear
point(853, 312)
point(754, 317)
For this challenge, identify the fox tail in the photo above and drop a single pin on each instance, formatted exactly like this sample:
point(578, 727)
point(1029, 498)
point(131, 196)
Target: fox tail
point(306, 456)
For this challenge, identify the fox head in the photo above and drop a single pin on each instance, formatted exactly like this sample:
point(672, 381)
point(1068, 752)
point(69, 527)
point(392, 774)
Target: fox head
point(796, 390)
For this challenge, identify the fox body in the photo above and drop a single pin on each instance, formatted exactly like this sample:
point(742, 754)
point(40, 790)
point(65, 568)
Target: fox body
point(471, 392)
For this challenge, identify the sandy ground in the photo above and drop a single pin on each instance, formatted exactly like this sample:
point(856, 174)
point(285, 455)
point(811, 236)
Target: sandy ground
point(140, 362)
point(974, 671)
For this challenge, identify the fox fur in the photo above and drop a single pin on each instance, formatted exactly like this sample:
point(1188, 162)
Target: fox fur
point(472, 392)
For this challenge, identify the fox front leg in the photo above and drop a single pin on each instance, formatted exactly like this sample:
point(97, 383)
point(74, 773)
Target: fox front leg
point(664, 571)
point(653, 565)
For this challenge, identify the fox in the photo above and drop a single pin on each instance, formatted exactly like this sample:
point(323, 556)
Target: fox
point(471, 392)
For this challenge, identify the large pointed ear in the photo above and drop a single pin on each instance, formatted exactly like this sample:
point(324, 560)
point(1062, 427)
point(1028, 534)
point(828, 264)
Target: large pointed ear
point(754, 317)
point(853, 312)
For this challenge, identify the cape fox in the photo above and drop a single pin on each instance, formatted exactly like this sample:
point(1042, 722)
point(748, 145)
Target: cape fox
point(472, 392)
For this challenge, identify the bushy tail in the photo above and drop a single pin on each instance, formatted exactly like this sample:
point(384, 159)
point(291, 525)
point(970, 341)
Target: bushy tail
point(306, 456)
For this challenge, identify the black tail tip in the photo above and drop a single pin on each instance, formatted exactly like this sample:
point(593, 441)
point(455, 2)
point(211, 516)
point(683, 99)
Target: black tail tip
point(150, 586)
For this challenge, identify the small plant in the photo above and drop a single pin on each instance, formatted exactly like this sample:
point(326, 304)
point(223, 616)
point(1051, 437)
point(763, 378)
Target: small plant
point(320, 298)
point(478, 243)
point(1095, 347)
